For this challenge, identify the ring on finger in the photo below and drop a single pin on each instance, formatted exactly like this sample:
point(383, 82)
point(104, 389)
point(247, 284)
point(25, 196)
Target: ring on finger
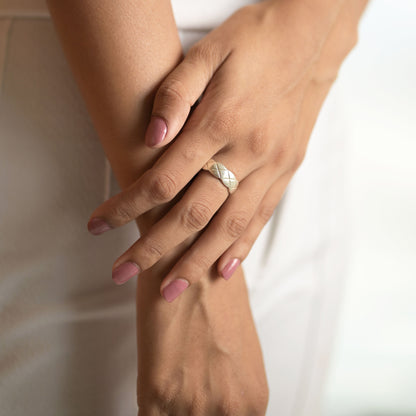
point(218, 170)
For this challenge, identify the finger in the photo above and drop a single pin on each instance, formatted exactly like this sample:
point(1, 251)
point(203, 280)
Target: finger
point(190, 215)
point(159, 185)
point(224, 229)
point(239, 250)
point(232, 258)
point(180, 91)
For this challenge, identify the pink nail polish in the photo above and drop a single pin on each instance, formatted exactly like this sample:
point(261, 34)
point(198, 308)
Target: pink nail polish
point(156, 131)
point(230, 268)
point(124, 272)
point(174, 289)
point(97, 226)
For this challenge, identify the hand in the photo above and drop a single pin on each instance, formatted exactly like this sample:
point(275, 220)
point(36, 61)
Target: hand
point(264, 76)
point(199, 356)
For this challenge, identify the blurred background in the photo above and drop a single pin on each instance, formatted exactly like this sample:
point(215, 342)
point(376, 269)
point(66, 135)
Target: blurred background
point(373, 369)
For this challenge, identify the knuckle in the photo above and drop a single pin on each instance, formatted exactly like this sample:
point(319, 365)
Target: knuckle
point(164, 394)
point(258, 144)
point(162, 187)
point(124, 211)
point(265, 213)
point(172, 90)
point(151, 250)
point(196, 216)
point(229, 406)
point(221, 126)
point(298, 159)
point(203, 50)
point(191, 153)
point(283, 154)
point(236, 224)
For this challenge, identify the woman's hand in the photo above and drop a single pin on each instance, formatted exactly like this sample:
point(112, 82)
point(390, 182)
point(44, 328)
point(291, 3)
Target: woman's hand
point(264, 75)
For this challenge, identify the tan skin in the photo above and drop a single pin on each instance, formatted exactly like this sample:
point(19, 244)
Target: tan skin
point(271, 48)
point(118, 90)
point(200, 354)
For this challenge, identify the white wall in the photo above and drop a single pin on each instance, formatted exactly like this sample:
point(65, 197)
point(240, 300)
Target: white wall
point(374, 364)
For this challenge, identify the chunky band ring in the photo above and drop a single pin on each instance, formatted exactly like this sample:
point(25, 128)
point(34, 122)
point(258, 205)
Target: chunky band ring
point(222, 173)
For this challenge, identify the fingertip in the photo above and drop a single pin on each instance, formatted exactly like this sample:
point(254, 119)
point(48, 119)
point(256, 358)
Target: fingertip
point(222, 261)
point(97, 226)
point(229, 269)
point(173, 289)
point(124, 272)
point(156, 131)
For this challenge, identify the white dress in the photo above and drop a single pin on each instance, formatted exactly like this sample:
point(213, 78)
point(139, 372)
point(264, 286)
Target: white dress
point(67, 333)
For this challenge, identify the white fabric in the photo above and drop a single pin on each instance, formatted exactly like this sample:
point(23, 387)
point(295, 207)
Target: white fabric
point(204, 15)
point(67, 343)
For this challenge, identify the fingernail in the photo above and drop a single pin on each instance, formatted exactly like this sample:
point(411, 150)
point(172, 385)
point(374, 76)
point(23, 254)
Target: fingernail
point(156, 131)
point(124, 272)
point(97, 226)
point(230, 268)
point(174, 289)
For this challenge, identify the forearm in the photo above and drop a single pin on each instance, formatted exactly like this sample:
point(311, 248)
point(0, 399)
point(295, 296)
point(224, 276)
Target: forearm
point(119, 51)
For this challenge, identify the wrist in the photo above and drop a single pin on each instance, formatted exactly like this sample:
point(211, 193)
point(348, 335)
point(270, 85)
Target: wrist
point(309, 22)
point(341, 40)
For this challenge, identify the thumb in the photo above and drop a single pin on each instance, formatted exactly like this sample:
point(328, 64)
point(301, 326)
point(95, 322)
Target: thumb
point(180, 90)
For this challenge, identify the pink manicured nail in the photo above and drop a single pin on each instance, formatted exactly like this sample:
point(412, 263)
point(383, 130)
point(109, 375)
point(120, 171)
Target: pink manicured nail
point(174, 289)
point(124, 272)
point(230, 268)
point(156, 131)
point(97, 226)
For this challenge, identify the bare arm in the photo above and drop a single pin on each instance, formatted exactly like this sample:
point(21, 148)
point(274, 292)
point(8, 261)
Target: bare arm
point(119, 52)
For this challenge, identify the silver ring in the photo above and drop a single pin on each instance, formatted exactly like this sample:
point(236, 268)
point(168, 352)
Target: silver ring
point(218, 170)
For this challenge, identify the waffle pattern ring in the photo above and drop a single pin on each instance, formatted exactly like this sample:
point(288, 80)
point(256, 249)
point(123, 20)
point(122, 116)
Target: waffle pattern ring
point(218, 170)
